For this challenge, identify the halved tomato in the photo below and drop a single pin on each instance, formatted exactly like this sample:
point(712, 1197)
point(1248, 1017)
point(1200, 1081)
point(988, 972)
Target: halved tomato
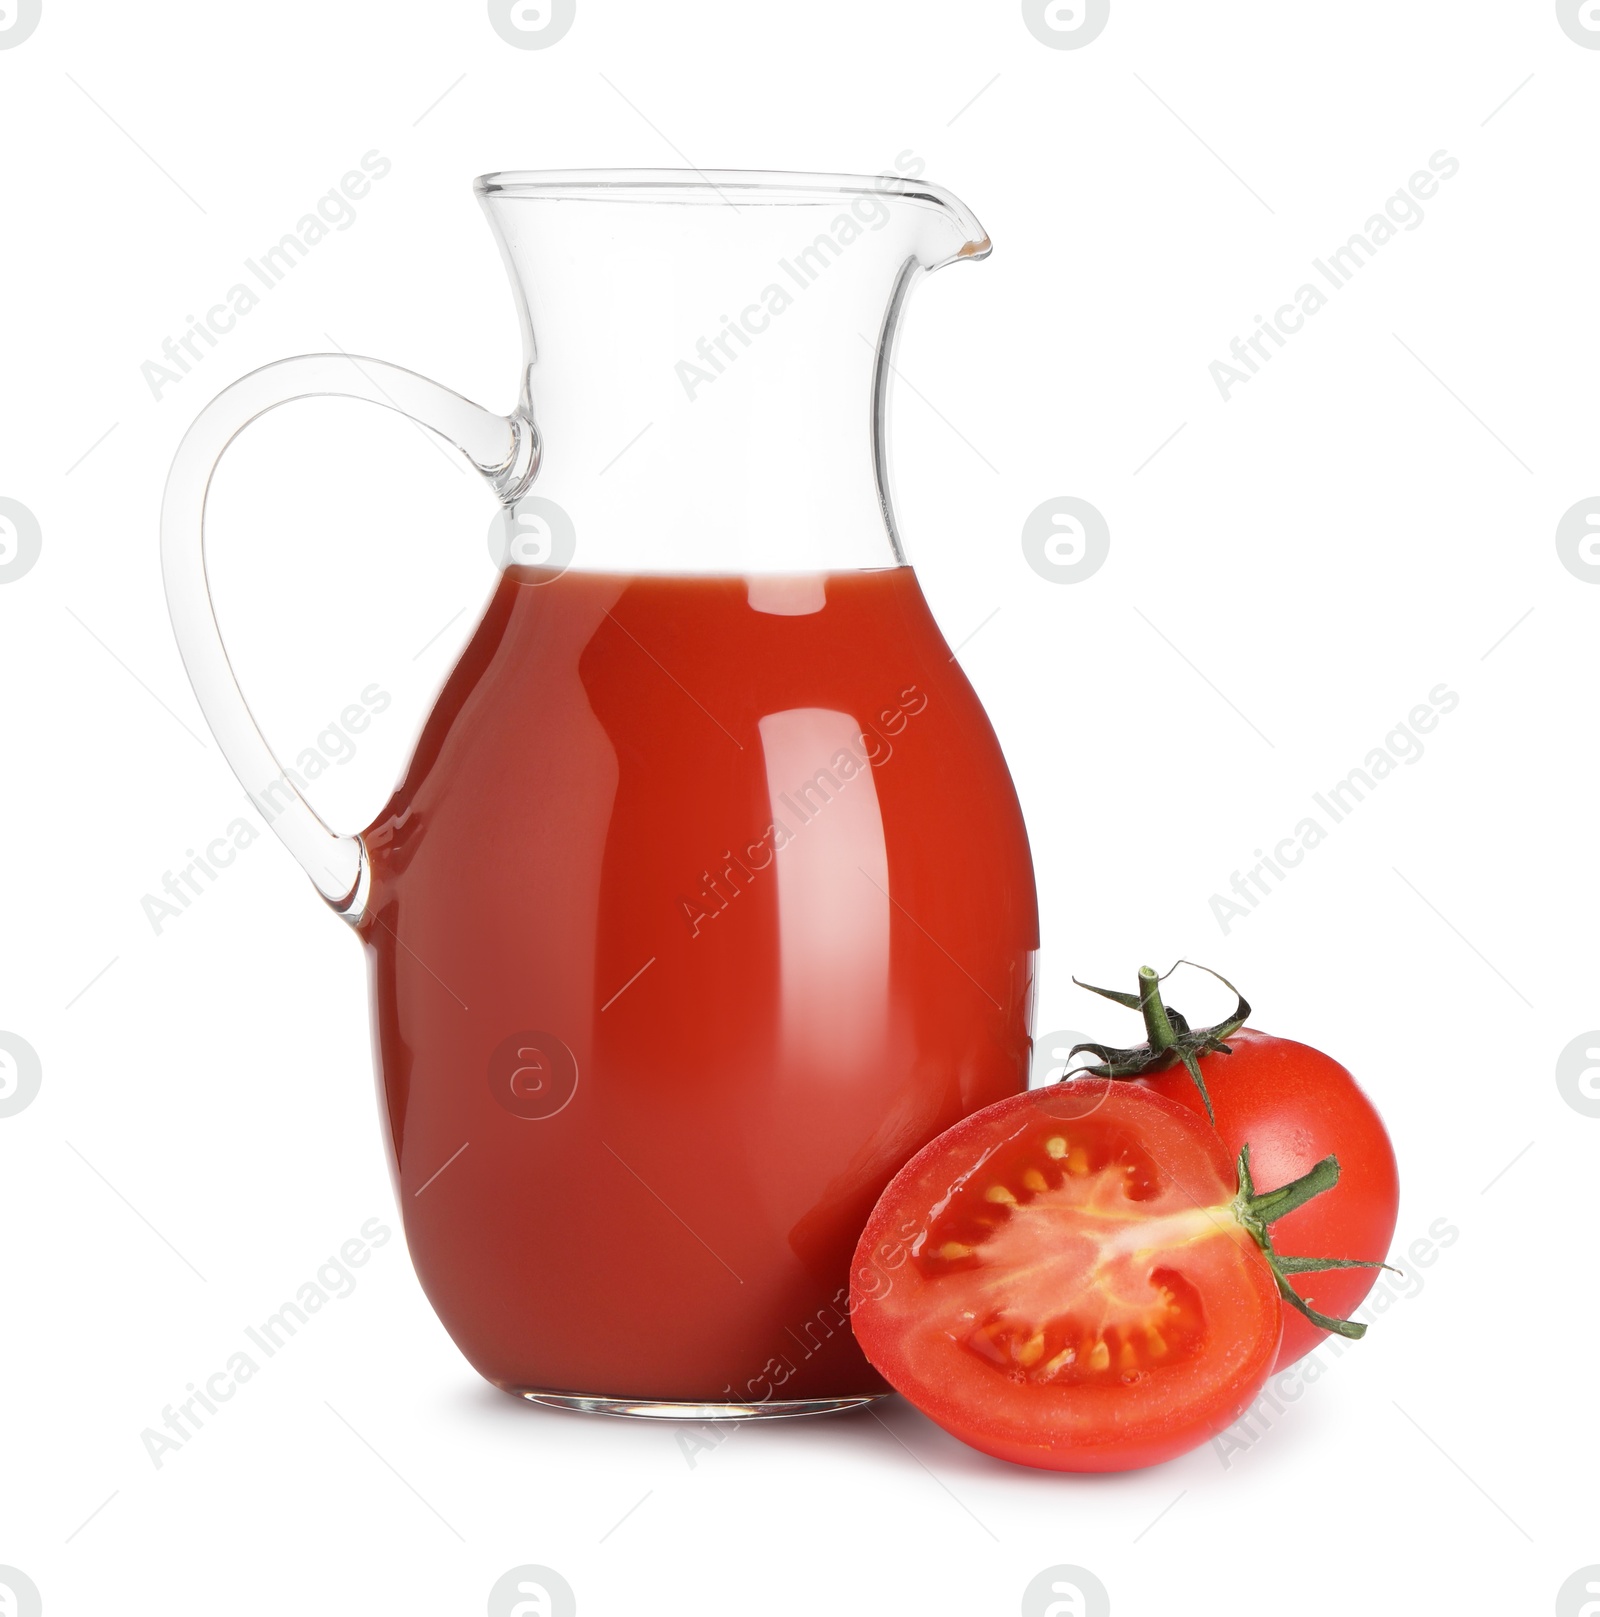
point(1064, 1280)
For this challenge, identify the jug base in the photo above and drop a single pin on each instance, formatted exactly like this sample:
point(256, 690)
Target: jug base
point(660, 1409)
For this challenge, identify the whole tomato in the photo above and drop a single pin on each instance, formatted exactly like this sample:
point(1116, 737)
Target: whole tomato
point(1292, 1105)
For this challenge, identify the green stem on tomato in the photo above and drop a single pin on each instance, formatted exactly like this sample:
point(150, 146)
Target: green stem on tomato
point(1256, 1210)
point(1157, 1024)
point(1170, 1041)
point(1273, 1204)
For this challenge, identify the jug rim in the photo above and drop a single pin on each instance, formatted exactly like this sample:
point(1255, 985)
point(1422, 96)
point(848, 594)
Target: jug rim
point(727, 186)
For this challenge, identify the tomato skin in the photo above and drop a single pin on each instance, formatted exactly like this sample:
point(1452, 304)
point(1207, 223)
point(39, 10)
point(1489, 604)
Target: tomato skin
point(909, 1325)
point(1294, 1105)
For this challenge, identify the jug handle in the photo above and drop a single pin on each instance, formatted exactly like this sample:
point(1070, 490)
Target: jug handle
point(504, 449)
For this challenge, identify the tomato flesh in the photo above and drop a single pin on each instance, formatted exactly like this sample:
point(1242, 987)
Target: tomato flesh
point(1060, 1280)
point(1294, 1105)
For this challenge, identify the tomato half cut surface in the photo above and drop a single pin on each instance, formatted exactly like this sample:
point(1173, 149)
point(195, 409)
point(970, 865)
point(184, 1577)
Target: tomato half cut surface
point(1060, 1280)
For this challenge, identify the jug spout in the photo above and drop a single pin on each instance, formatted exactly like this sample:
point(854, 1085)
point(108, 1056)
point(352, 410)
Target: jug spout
point(949, 230)
point(708, 357)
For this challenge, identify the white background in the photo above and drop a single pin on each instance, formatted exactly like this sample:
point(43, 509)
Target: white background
point(1372, 515)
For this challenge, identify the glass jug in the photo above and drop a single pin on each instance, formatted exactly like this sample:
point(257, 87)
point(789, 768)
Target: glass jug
point(707, 832)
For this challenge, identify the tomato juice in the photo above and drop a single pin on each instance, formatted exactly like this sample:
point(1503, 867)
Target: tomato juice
point(704, 903)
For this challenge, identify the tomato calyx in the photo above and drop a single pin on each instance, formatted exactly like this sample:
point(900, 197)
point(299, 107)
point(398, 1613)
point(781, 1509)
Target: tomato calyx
point(1257, 1210)
point(1170, 1042)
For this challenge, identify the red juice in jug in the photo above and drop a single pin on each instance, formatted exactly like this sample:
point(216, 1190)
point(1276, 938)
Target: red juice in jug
point(703, 904)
